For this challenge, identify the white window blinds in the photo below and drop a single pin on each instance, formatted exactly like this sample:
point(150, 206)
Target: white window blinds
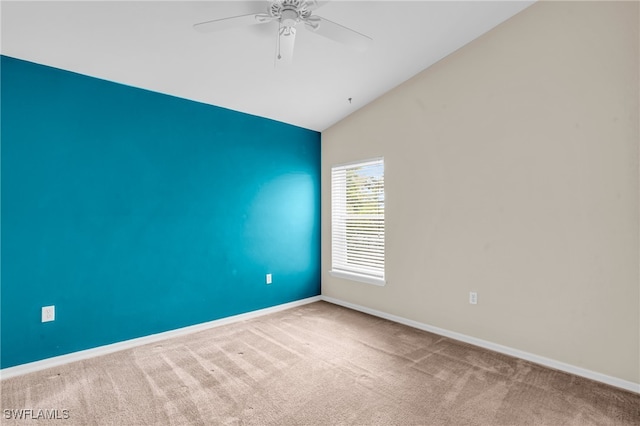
point(357, 221)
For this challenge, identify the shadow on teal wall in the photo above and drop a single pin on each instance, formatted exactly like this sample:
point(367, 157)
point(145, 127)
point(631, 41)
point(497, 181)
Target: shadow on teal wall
point(135, 212)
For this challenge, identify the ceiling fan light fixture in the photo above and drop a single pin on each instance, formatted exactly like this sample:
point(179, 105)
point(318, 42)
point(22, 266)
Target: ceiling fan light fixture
point(287, 31)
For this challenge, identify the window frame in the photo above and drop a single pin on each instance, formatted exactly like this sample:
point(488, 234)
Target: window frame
point(353, 271)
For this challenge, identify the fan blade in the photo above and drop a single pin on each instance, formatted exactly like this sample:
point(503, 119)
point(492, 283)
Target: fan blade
point(263, 17)
point(227, 23)
point(286, 41)
point(337, 32)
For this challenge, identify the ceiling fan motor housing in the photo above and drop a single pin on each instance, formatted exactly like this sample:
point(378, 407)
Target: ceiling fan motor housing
point(290, 12)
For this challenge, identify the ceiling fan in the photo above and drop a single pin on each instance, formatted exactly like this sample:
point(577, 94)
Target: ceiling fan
point(288, 14)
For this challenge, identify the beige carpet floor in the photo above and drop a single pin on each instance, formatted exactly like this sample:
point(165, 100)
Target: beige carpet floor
point(317, 364)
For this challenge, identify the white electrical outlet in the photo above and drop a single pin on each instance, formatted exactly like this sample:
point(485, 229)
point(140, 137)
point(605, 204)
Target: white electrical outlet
point(268, 278)
point(48, 313)
point(473, 297)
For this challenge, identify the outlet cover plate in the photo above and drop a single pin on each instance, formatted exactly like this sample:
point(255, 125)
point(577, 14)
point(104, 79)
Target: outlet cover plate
point(48, 313)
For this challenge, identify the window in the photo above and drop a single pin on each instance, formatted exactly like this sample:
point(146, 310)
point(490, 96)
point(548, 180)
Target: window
point(357, 221)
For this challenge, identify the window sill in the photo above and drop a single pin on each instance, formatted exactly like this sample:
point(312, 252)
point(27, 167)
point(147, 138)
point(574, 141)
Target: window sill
point(357, 277)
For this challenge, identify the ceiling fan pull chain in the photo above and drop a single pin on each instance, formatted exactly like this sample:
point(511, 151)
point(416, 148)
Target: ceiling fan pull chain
point(279, 56)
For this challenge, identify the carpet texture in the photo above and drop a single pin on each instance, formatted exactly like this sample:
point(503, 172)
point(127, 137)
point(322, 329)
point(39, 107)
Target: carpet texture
point(318, 364)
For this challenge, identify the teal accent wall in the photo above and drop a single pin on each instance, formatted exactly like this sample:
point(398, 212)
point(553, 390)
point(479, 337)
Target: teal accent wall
point(135, 212)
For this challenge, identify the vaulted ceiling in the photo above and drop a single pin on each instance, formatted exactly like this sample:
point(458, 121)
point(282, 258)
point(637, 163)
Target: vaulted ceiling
point(153, 45)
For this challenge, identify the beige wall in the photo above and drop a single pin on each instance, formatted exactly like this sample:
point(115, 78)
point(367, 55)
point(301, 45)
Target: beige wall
point(512, 170)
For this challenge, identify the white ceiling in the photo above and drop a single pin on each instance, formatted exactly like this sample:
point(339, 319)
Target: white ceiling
point(152, 45)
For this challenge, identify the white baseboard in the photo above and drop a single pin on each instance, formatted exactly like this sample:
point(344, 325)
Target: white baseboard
point(127, 344)
point(19, 370)
point(547, 362)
